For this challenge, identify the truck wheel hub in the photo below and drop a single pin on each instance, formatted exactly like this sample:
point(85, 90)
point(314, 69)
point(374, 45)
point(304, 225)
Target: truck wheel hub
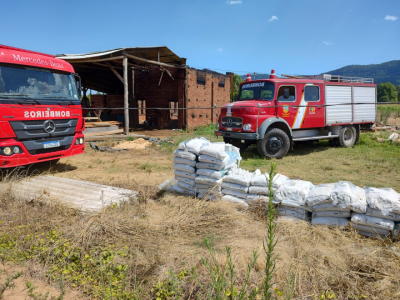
point(274, 144)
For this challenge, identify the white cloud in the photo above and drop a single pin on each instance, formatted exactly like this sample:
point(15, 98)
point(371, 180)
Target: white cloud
point(234, 1)
point(273, 18)
point(391, 18)
point(327, 43)
point(220, 50)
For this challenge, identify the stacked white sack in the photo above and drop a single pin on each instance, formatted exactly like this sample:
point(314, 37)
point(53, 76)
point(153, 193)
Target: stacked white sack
point(323, 210)
point(382, 212)
point(215, 160)
point(258, 189)
point(291, 197)
point(347, 195)
point(185, 165)
point(236, 184)
point(371, 226)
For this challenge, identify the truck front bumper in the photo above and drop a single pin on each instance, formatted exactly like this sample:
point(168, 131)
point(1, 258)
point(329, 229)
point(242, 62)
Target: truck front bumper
point(25, 158)
point(237, 135)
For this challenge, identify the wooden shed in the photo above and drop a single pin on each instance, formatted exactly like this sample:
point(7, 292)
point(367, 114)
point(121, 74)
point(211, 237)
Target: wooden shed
point(155, 82)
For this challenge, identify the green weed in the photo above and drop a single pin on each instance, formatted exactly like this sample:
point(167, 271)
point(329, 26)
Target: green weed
point(8, 284)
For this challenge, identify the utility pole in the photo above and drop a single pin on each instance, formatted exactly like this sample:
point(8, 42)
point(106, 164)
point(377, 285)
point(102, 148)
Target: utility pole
point(254, 74)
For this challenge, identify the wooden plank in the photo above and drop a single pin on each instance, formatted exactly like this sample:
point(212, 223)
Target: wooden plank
point(153, 62)
point(91, 118)
point(126, 94)
point(105, 132)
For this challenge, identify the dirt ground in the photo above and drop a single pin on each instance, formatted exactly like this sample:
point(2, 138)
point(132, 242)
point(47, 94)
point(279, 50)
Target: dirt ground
point(30, 273)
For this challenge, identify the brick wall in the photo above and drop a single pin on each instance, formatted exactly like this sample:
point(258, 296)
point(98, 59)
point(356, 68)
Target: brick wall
point(170, 90)
point(197, 94)
point(205, 95)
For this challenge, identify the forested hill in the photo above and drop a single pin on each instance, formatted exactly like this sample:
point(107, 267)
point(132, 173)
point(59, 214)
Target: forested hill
point(384, 72)
point(388, 71)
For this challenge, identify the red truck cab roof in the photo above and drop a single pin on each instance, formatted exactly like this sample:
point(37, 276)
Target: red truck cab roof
point(12, 55)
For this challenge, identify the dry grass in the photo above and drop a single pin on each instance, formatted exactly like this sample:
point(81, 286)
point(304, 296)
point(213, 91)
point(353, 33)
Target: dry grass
point(168, 233)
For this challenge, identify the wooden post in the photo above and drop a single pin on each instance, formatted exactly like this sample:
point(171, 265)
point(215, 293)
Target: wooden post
point(126, 92)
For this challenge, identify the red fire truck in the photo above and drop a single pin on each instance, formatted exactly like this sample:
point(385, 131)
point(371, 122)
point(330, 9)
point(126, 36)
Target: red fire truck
point(276, 113)
point(40, 112)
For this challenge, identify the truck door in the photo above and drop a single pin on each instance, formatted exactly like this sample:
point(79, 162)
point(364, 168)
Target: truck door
point(287, 99)
point(314, 110)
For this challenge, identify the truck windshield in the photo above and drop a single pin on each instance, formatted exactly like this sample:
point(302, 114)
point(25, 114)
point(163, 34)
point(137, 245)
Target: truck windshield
point(257, 90)
point(41, 85)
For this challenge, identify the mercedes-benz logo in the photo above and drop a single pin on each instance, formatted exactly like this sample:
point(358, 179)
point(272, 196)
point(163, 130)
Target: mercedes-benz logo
point(230, 122)
point(49, 126)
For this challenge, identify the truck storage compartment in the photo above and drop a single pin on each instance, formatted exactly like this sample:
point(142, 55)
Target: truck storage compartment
point(338, 101)
point(364, 112)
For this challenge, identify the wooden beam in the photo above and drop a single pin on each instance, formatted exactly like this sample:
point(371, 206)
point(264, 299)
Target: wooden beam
point(126, 93)
point(115, 72)
point(154, 62)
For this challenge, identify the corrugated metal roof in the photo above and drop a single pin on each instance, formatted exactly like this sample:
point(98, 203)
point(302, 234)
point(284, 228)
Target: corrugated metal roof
point(149, 53)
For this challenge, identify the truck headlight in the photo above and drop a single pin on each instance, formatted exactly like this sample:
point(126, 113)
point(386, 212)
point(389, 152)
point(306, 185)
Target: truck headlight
point(7, 150)
point(247, 127)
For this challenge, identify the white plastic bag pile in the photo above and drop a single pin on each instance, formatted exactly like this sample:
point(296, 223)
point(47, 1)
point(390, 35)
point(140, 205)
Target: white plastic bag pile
point(215, 161)
point(236, 184)
point(324, 212)
point(382, 212)
point(185, 161)
point(258, 188)
point(291, 197)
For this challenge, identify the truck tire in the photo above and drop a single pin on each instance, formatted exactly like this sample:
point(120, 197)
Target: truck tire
point(347, 136)
point(237, 143)
point(275, 144)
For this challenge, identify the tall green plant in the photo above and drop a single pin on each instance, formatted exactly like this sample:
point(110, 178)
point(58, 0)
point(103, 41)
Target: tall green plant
point(270, 240)
point(222, 279)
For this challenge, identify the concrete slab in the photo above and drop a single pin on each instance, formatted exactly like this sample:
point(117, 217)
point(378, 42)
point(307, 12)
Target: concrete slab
point(82, 195)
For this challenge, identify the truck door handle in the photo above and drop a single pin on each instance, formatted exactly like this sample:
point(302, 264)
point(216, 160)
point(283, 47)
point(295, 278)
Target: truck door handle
point(294, 107)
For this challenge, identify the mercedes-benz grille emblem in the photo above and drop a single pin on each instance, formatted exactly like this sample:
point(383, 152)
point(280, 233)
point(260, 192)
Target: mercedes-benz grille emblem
point(230, 122)
point(49, 126)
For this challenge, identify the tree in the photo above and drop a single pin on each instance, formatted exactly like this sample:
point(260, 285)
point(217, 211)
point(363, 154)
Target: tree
point(387, 92)
point(398, 92)
point(237, 80)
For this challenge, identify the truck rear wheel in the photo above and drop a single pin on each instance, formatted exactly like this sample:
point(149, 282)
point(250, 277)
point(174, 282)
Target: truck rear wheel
point(347, 136)
point(275, 144)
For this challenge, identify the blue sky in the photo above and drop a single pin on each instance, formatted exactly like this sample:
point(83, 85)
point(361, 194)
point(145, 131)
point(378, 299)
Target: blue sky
point(292, 37)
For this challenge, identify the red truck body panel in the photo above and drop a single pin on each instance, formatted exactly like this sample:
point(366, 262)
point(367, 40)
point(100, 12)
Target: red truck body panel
point(19, 121)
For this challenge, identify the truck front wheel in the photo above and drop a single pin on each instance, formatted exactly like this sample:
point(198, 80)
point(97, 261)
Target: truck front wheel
point(275, 144)
point(347, 136)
